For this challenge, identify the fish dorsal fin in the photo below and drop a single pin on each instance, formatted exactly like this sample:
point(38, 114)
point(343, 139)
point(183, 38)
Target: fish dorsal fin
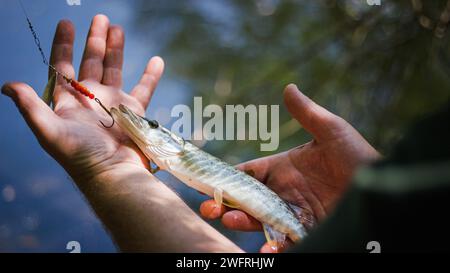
point(218, 197)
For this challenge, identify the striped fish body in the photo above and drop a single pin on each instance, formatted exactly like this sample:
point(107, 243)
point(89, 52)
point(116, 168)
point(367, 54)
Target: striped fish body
point(208, 174)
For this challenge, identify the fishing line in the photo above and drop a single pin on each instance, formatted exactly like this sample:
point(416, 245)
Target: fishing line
point(75, 84)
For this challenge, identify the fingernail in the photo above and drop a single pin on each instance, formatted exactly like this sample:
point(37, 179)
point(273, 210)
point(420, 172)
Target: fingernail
point(293, 86)
point(298, 90)
point(155, 67)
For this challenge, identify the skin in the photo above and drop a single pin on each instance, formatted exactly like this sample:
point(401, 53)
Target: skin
point(312, 176)
point(139, 211)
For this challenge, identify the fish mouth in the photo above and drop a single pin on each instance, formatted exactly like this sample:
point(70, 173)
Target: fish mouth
point(126, 114)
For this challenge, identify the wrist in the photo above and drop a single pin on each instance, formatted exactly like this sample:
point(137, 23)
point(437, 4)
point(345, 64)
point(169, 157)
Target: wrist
point(146, 216)
point(109, 174)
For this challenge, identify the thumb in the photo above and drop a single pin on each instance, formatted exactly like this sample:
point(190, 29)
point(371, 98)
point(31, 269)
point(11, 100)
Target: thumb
point(318, 121)
point(39, 117)
point(261, 167)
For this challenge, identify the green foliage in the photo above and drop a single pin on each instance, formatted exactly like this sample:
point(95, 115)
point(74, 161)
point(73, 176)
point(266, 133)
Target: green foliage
point(379, 67)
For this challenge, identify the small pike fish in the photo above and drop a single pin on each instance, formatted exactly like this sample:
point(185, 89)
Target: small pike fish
point(210, 175)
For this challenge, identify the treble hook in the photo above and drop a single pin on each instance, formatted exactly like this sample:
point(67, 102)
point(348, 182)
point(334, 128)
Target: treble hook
point(107, 111)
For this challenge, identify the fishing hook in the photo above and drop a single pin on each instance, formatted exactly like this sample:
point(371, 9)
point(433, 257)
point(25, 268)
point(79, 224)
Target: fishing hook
point(107, 111)
point(75, 84)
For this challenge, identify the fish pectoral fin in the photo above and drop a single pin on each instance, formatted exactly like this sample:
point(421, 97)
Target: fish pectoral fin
point(218, 197)
point(274, 238)
point(230, 204)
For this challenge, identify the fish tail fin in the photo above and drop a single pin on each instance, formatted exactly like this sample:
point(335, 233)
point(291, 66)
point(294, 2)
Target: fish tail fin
point(305, 217)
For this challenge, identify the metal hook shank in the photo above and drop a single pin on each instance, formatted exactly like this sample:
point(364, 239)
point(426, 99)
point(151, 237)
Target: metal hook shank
point(107, 111)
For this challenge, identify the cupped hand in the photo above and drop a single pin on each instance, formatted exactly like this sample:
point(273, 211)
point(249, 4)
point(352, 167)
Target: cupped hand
point(72, 133)
point(312, 176)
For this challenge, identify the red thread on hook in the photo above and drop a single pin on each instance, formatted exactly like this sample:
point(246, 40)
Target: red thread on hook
point(82, 89)
point(75, 84)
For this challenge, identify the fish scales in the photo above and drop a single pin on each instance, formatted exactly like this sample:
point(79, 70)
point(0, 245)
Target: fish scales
point(237, 186)
point(208, 174)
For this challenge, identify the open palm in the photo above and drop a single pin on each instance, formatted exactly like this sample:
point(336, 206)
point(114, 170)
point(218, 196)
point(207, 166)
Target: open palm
point(312, 176)
point(72, 133)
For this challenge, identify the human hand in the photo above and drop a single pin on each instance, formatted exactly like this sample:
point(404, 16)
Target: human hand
point(107, 167)
point(72, 133)
point(312, 176)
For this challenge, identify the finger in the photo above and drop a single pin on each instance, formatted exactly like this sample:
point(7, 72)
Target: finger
point(239, 220)
point(267, 248)
point(143, 91)
point(39, 117)
point(61, 58)
point(210, 210)
point(91, 66)
point(112, 65)
point(258, 168)
point(315, 119)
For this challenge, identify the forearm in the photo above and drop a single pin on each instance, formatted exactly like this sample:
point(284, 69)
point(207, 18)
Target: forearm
point(142, 214)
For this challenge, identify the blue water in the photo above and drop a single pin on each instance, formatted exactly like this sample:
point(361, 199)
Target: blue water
point(40, 207)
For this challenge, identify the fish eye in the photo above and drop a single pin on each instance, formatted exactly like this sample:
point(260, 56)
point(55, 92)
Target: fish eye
point(153, 124)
